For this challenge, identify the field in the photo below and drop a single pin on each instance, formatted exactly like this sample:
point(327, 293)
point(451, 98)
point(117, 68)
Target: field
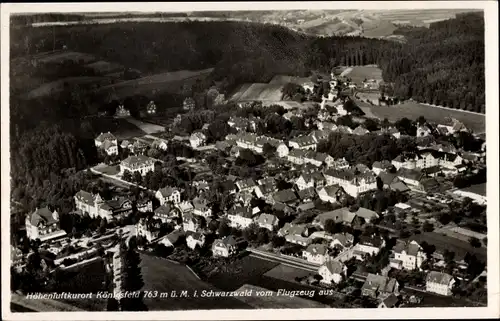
point(60, 57)
point(120, 127)
point(413, 110)
point(443, 242)
point(148, 128)
point(371, 96)
point(282, 80)
point(360, 73)
point(164, 276)
point(53, 87)
point(275, 301)
point(287, 273)
point(155, 84)
point(108, 170)
point(103, 67)
point(261, 91)
point(242, 271)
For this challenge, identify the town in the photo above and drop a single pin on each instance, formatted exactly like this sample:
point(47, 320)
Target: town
point(309, 191)
point(397, 217)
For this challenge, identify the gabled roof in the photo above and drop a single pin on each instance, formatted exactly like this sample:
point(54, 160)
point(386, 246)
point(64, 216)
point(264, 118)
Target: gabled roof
point(307, 193)
point(42, 215)
point(388, 178)
point(399, 186)
point(136, 160)
point(317, 249)
point(105, 136)
point(375, 241)
point(385, 164)
point(391, 301)
point(303, 140)
point(341, 215)
point(366, 213)
point(267, 188)
point(225, 242)
point(334, 267)
point(380, 283)
point(438, 277)
point(413, 174)
point(85, 197)
point(285, 196)
point(163, 210)
point(479, 189)
point(295, 229)
point(245, 183)
point(267, 219)
point(343, 238)
point(332, 190)
point(313, 176)
point(410, 248)
point(200, 204)
point(298, 153)
point(167, 191)
point(242, 211)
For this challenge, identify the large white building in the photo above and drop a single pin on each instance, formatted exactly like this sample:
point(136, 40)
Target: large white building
point(43, 224)
point(407, 255)
point(332, 272)
point(352, 183)
point(139, 163)
point(168, 194)
point(440, 283)
point(108, 143)
point(95, 206)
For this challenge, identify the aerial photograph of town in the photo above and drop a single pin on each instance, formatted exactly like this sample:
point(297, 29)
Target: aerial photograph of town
point(211, 160)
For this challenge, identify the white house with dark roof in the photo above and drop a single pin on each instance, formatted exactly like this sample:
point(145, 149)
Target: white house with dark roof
point(440, 283)
point(224, 247)
point(246, 185)
point(342, 241)
point(107, 142)
point(43, 224)
point(423, 131)
point(292, 229)
point(379, 286)
point(267, 221)
point(332, 272)
point(404, 162)
point(303, 142)
point(201, 207)
point(96, 206)
point(370, 244)
point(190, 222)
point(407, 255)
point(382, 166)
point(282, 150)
point(138, 163)
point(149, 229)
point(316, 253)
point(353, 183)
point(240, 217)
point(168, 194)
point(311, 179)
point(331, 193)
point(197, 139)
point(194, 240)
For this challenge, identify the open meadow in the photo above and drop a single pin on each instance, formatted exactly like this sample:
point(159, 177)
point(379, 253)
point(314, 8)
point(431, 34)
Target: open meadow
point(57, 86)
point(413, 110)
point(360, 73)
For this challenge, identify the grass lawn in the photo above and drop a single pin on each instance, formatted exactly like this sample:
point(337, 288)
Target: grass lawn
point(164, 276)
point(259, 91)
point(50, 88)
point(287, 273)
point(359, 73)
point(443, 242)
point(275, 301)
point(413, 110)
point(121, 128)
point(108, 170)
point(240, 272)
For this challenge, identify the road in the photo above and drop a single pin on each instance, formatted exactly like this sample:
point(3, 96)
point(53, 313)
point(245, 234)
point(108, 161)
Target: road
point(296, 263)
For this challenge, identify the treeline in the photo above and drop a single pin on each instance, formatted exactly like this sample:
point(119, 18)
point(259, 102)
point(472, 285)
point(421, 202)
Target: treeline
point(24, 20)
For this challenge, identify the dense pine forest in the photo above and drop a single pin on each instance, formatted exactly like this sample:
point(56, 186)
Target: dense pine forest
point(442, 65)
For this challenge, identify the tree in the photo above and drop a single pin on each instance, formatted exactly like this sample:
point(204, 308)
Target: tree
point(268, 150)
point(428, 226)
point(224, 229)
point(127, 176)
point(137, 178)
point(421, 120)
point(131, 279)
point(380, 183)
point(278, 241)
point(475, 242)
point(333, 227)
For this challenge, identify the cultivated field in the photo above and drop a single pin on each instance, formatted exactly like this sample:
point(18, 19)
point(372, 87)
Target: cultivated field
point(57, 86)
point(164, 276)
point(61, 56)
point(283, 79)
point(274, 301)
point(286, 273)
point(120, 127)
point(155, 84)
point(413, 110)
point(360, 73)
point(260, 91)
point(148, 128)
point(103, 67)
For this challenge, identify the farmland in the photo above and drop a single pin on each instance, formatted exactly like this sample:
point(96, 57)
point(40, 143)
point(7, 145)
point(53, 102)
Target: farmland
point(261, 91)
point(413, 110)
point(275, 301)
point(164, 276)
point(57, 86)
point(360, 73)
point(168, 82)
point(286, 273)
point(120, 127)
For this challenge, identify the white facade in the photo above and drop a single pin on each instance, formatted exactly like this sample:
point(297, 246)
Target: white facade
point(439, 288)
point(239, 221)
point(353, 188)
point(328, 277)
point(193, 242)
point(174, 197)
point(282, 150)
point(141, 164)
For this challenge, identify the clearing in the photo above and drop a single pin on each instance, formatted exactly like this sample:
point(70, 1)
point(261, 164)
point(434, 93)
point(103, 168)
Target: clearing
point(287, 273)
point(57, 86)
point(261, 91)
point(413, 110)
point(360, 73)
point(148, 128)
point(120, 127)
point(164, 276)
point(274, 301)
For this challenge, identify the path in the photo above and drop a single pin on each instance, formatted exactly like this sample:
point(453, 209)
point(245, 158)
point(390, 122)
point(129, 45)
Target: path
point(285, 260)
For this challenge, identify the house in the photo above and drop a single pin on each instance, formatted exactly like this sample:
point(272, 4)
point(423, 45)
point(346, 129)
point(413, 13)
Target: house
point(340, 163)
point(160, 143)
point(168, 194)
point(185, 207)
point(240, 217)
point(167, 213)
point(43, 224)
point(239, 123)
point(139, 163)
point(343, 129)
point(440, 283)
point(327, 126)
point(407, 255)
point(452, 126)
point(296, 156)
point(382, 166)
point(313, 179)
point(197, 139)
point(427, 159)
point(342, 215)
point(391, 301)
point(316, 253)
point(122, 111)
point(125, 144)
point(264, 191)
point(342, 240)
point(194, 240)
point(475, 192)
point(144, 204)
point(151, 108)
point(292, 229)
point(171, 239)
point(267, 181)
point(318, 159)
point(188, 103)
point(423, 131)
point(149, 229)
point(201, 207)
point(286, 196)
point(404, 162)
point(379, 285)
point(412, 177)
point(297, 239)
point(303, 142)
point(433, 171)
point(282, 150)
point(391, 131)
point(95, 206)
point(367, 215)
point(331, 193)
point(370, 244)
point(307, 195)
point(246, 185)
point(190, 222)
point(332, 272)
point(360, 131)
point(107, 142)
point(267, 221)
point(353, 183)
point(320, 135)
point(224, 247)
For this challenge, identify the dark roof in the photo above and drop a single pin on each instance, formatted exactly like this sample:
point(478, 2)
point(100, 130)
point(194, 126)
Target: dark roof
point(388, 178)
point(42, 215)
point(479, 189)
point(285, 196)
point(371, 240)
point(307, 193)
point(409, 248)
point(413, 174)
point(167, 191)
point(391, 301)
point(105, 136)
